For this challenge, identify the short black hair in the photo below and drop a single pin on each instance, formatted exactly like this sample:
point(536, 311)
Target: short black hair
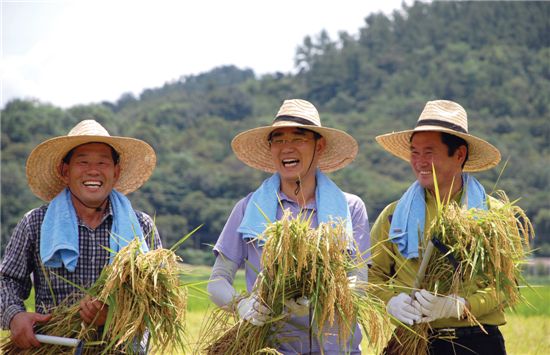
point(114, 154)
point(453, 143)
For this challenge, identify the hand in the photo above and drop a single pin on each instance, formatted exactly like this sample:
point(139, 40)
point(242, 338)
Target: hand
point(93, 311)
point(352, 281)
point(298, 307)
point(436, 307)
point(400, 307)
point(22, 328)
point(252, 310)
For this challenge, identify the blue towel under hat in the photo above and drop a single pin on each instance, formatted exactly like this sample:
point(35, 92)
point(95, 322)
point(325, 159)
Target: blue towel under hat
point(59, 243)
point(330, 200)
point(409, 217)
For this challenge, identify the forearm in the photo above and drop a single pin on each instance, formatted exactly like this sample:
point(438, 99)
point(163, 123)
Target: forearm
point(379, 273)
point(12, 294)
point(380, 284)
point(220, 287)
point(484, 301)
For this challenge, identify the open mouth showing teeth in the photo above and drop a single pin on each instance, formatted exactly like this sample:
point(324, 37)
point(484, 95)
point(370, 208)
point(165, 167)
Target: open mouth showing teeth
point(92, 183)
point(290, 162)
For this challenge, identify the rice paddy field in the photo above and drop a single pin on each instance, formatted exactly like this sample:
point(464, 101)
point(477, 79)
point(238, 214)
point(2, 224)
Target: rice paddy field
point(527, 330)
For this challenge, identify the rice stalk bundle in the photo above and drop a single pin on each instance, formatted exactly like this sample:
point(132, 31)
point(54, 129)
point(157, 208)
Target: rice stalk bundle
point(302, 261)
point(145, 299)
point(144, 294)
point(489, 247)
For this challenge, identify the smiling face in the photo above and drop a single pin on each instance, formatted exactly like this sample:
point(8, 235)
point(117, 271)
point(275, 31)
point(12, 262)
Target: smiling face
point(91, 173)
point(427, 148)
point(295, 152)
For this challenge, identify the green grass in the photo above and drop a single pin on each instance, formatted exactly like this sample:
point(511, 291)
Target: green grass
point(537, 305)
point(526, 331)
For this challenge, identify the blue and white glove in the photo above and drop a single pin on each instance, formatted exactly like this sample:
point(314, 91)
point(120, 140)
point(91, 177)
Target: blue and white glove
point(435, 307)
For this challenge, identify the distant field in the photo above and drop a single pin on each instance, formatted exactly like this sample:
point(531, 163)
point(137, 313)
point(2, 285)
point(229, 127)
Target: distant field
point(527, 330)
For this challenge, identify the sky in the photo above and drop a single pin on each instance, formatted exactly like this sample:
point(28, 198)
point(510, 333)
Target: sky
point(79, 52)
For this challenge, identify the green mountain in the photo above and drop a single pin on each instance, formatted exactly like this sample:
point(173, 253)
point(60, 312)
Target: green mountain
point(491, 57)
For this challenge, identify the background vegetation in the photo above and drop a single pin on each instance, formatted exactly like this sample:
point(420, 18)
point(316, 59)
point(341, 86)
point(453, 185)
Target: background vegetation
point(492, 57)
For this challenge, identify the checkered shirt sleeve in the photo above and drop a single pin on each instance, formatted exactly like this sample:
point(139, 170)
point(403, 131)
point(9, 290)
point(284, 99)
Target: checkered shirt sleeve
point(21, 269)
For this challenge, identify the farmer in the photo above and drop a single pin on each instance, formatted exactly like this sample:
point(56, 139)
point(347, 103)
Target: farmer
point(298, 150)
point(84, 177)
point(440, 139)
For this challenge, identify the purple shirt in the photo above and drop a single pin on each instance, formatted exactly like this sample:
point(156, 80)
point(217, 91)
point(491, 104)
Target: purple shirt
point(233, 246)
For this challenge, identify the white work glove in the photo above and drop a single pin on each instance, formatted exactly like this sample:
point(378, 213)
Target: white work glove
point(435, 307)
point(400, 307)
point(252, 310)
point(352, 281)
point(298, 307)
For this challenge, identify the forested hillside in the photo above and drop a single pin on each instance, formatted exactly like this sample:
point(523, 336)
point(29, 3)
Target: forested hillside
point(491, 57)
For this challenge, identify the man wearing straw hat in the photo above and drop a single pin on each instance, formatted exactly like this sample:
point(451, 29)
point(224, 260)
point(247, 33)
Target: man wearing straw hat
point(298, 151)
point(84, 177)
point(439, 140)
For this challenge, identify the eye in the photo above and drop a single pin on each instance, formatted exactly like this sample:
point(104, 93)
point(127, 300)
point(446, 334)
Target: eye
point(278, 141)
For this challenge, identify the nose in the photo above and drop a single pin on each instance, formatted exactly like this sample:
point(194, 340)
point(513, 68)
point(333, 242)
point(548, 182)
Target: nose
point(93, 169)
point(288, 147)
point(421, 160)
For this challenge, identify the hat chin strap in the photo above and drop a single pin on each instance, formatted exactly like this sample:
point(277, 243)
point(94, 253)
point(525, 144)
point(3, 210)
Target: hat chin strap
point(97, 209)
point(299, 181)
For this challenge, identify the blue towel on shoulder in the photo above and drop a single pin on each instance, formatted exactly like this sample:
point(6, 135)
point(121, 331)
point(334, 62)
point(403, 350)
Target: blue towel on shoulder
point(59, 244)
point(409, 216)
point(330, 200)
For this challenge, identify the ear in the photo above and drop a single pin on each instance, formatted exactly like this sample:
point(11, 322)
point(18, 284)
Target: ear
point(461, 153)
point(321, 145)
point(117, 172)
point(63, 169)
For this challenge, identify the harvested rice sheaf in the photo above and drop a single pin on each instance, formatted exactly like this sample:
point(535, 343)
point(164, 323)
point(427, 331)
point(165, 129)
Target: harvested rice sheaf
point(146, 302)
point(489, 247)
point(144, 295)
point(302, 261)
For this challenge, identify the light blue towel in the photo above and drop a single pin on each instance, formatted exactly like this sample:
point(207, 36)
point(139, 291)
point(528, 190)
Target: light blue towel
point(59, 243)
point(330, 200)
point(409, 216)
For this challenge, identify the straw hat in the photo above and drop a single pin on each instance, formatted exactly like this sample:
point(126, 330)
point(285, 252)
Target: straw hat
point(137, 159)
point(252, 146)
point(444, 116)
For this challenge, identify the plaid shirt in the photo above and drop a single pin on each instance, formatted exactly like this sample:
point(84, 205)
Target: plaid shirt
point(21, 267)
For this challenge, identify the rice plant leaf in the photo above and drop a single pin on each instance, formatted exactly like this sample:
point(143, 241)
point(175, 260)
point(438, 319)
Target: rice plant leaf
point(184, 238)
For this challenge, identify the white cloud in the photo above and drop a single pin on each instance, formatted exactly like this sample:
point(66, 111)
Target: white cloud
point(72, 52)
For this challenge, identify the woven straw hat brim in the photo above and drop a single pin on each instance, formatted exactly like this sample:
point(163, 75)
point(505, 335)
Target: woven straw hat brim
point(252, 148)
point(481, 154)
point(137, 162)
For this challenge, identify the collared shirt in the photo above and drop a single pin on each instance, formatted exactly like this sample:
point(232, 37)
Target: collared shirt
point(248, 254)
point(396, 274)
point(21, 268)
